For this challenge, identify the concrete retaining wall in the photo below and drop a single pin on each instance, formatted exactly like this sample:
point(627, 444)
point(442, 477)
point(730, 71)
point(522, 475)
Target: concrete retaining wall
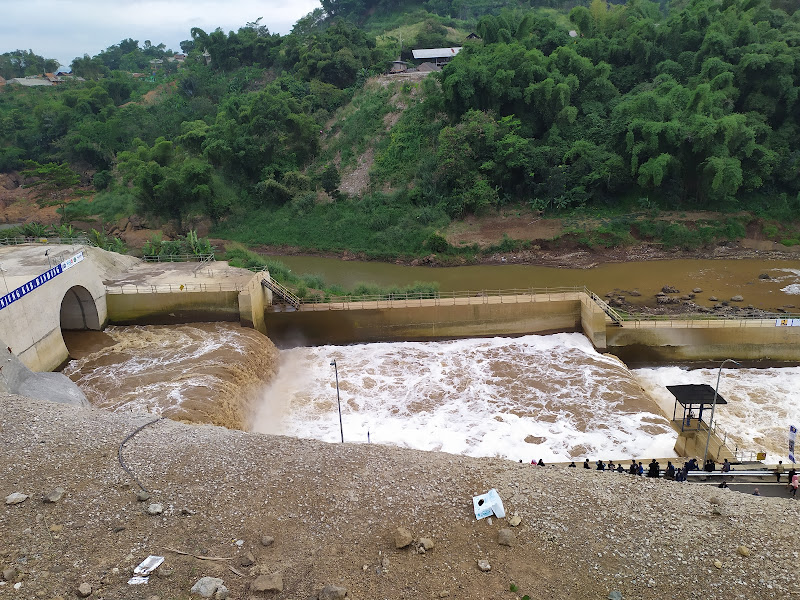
point(32, 327)
point(740, 340)
point(422, 322)
point(253, 302)
point(172, 307)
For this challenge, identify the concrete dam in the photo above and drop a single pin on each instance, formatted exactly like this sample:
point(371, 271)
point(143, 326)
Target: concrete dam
point(52, 288)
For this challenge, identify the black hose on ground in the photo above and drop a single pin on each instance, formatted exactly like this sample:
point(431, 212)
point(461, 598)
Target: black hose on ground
point(122, 445)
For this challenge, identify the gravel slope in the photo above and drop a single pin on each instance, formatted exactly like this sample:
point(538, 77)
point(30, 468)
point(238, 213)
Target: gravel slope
point(333, 510)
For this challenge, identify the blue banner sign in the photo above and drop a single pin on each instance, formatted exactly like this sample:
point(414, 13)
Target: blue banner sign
point(27, 288)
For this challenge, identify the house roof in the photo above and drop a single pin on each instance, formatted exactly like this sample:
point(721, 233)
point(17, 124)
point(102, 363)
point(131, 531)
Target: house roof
point(423, 53)
point(24, 81)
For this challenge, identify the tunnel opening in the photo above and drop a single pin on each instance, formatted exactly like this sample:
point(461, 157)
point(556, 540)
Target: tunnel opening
point(80, 323)
point(79, 311)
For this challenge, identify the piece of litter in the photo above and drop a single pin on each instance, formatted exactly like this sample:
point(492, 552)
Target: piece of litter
point(487, 504)
point(138, 580)
point(148, 565)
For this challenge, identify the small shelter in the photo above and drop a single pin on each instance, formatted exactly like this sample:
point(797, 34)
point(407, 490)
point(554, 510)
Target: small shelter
point(694, 396)
point(440, 56)
point(398, 66)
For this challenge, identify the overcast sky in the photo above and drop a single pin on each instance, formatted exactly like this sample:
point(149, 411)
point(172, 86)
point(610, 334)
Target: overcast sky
point(64, 29)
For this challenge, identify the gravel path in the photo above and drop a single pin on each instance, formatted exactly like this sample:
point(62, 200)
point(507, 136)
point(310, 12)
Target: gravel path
point(333, 510)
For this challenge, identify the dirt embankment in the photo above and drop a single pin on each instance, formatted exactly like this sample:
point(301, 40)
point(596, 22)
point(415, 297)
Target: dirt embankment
point(333, 510)
point(548, 244)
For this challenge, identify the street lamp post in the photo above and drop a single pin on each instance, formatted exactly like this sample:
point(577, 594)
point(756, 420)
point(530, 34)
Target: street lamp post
point(338, 402)
point(714, 404)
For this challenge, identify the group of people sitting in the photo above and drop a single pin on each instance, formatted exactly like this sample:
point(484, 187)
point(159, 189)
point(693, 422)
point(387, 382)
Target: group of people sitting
point(653, 468)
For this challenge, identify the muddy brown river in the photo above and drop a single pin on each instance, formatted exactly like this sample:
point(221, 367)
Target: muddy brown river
point(722, 279)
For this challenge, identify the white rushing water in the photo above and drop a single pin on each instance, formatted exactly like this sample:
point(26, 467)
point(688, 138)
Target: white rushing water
point(550, 397)
point(762, 403)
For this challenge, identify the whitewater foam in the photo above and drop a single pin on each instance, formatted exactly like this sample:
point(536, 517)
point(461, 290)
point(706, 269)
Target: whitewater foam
point(761, 403)
point(479, 397)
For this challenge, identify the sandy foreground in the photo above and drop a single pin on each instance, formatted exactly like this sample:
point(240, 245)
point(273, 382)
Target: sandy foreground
point(333, 509)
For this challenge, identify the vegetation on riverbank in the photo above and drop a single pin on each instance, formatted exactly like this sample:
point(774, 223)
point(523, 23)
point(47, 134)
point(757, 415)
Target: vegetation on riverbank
point(603, 114)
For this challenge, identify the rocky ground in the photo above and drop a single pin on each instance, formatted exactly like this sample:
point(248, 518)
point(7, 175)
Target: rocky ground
point(275, 517)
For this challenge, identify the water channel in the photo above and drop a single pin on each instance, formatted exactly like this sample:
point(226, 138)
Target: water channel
point(550, 397)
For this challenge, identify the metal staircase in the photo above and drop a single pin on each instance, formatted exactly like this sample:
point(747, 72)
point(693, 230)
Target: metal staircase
point(281, 293)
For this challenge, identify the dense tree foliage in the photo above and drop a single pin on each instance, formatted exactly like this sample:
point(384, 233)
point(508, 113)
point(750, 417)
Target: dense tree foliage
point(692, 107)
point(21, 63)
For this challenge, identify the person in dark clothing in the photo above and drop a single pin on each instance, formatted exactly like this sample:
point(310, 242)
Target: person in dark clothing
point(709, 467)
point(540, 463)
point(640, 469)
point(586, 464)
point(670, 472)
point(611, 465)
point(632, 469)
point(619, 468)
point(601, 465)
point(653, 469)
point(572, 465)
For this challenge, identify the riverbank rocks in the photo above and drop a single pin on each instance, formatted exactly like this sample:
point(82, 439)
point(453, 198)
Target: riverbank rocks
point(142, 496)
point(267, 583)
point(515, 521)
point(9, 574)
point(206, 587)
point(267, 541)
point(155, 509)
point(737, 298)
point(84, 590)
point(505, 537)
point(668, 289)
point(54, 496)
point(697, 290)
point(743, 551)
point(332, 592)
point(484, 565)
point(764, 276)
point(402, 537)
point(16, 498)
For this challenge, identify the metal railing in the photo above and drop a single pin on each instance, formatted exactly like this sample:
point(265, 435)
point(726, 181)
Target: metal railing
point(80, 240)
point(613, 314)
point(202, 258)
point(281, 292)
point(169, 288)
point(687, 321)
point(500, 296)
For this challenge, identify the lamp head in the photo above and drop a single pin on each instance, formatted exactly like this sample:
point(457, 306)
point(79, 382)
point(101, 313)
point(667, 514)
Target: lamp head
point(333, 363)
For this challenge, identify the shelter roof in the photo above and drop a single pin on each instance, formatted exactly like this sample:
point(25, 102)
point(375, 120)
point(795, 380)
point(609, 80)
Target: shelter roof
point(695, 394)
point(423, 53)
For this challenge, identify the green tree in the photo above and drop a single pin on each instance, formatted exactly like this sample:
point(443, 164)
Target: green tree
point(55, 184)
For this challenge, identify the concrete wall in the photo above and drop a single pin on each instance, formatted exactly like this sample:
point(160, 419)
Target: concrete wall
point(741, 340)
point(594, 322)
point(421, 322)
point(253, 302)
point(172, 307)
point(32, 325)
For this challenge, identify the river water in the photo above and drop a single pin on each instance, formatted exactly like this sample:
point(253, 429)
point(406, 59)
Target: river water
point(550, 397)
point(722, 279)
